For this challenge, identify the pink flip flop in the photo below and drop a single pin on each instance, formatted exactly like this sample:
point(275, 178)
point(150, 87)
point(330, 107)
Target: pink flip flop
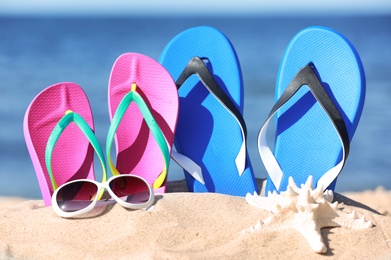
point(138, 150)
point(72, 157)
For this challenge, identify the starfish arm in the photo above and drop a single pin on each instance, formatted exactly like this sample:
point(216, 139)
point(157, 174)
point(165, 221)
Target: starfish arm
point(264, 203)
point(314, 237)
point(268, 225)
point(351, 220)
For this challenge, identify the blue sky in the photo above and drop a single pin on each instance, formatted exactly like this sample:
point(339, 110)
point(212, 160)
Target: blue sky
point(199, 7)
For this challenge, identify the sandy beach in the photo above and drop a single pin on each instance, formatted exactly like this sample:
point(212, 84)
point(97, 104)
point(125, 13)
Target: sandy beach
point(185, 225)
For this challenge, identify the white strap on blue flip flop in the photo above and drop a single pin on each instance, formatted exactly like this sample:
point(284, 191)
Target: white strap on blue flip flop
point(305, 77)
point(197, 66)
point(188, 165)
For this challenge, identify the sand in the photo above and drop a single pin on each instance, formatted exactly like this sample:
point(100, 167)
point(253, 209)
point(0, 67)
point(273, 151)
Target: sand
point(185, 225)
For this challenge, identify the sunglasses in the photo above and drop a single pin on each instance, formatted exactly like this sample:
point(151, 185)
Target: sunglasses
point(81, 196)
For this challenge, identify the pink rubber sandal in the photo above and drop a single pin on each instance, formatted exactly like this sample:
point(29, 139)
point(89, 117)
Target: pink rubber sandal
point(73, 155)
point(137, 151)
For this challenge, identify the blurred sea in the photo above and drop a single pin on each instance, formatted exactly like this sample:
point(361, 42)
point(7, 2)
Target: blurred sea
point(38, 52)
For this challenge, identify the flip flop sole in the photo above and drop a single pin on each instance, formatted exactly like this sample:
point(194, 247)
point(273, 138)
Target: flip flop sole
point(207, 133)
point(306, 140)
point(137, 150)
point(72, 156)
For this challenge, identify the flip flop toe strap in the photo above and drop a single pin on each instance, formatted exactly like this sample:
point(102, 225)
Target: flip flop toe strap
point(133, 96)
point(64, 122)
point(197, 66)
point(306, 76)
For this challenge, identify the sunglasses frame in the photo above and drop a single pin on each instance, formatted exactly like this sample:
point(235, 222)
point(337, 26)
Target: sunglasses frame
point(101, 187)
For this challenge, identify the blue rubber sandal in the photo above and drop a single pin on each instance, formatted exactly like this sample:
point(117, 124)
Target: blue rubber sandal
point(211, 130)
point(320, 95)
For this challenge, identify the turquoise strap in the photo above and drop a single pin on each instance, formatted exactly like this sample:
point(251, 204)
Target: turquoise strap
point(133, 96)
point(68, 118)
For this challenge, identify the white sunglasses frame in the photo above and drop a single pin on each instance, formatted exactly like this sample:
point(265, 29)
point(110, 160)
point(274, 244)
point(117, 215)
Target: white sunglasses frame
point(101, 186)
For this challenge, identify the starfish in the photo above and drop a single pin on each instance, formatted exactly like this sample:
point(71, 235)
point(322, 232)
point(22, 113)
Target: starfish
point(306, 210)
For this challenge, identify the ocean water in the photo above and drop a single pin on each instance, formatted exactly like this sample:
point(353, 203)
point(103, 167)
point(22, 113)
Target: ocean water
point(38, 52)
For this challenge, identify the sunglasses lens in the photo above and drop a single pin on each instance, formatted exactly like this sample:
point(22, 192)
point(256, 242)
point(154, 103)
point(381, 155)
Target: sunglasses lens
point(130, 189)
point(76, 196)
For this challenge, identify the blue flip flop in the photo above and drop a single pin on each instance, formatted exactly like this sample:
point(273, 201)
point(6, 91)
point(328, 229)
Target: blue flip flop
point(320, 94)
point(211, 130)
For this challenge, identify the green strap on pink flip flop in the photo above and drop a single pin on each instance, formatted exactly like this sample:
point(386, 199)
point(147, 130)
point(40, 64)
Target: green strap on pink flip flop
point(133, 96)
point(72, 117)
